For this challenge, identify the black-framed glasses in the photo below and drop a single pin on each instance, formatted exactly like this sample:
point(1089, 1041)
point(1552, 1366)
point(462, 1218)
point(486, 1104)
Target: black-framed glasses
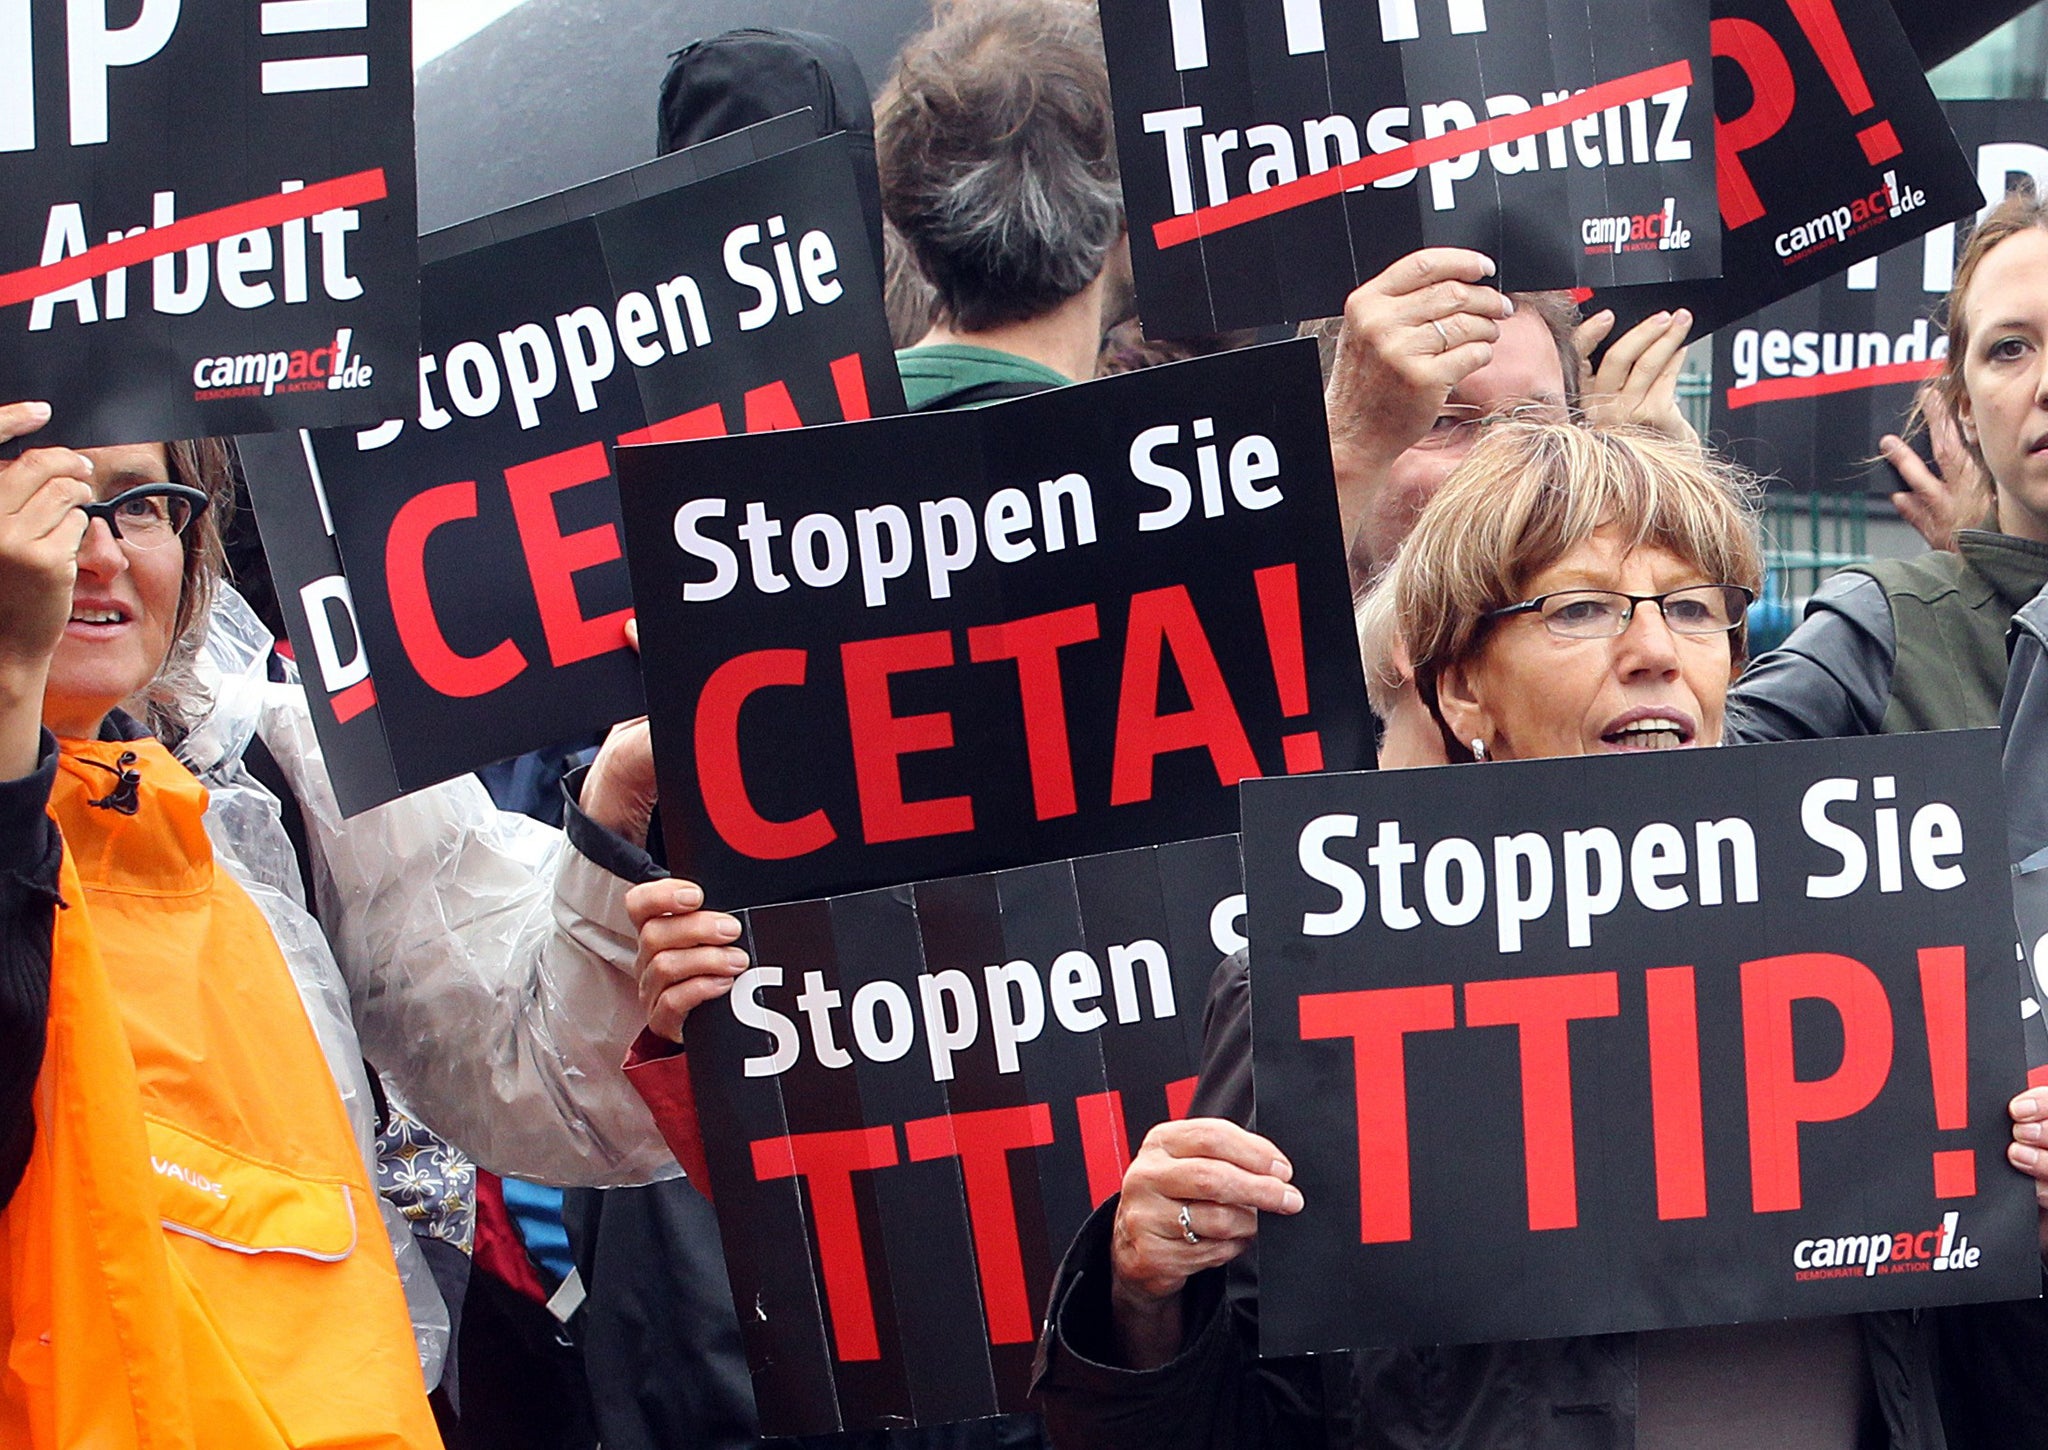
point(1607, 613)
point(149, 515)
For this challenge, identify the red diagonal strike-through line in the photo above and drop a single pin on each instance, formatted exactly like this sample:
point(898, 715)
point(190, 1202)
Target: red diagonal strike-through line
point(1778, 390)
point(1368, 169)
point(192, 231)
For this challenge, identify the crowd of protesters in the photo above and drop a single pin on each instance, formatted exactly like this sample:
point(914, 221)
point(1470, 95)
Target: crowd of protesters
point(254, 1055)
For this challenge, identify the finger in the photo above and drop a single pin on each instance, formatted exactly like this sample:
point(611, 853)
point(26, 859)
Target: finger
point(666, 897)
point(1588, 335)
point(1211, 1180)
point(1664, 355)
point(1909, 465)
point(57, 508)
point(666, 1015)
point(1431, 265)
point(1221, 1139)
point(21, 480)
point(633, 633)
point(1446, 300)
point(1222, 1221)
point(2030, 1106)
point(18, 420)
point(1627, 350)
point(2030, 1161)
point(688, 929)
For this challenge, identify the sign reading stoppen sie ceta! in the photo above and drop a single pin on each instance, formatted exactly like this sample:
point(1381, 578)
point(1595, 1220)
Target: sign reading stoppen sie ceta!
point(472, 599)
point(914, 1098)
point(1805, 388)
point(963, 641)
point(1276, 153)
point(1758, 1008)
point(1831, 149)
point(211, 217)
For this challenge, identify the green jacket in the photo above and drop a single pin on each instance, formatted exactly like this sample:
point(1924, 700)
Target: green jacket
point(932, 374)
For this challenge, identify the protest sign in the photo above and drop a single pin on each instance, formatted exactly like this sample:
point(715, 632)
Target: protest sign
point(1276, 153)
point(479, 606)
point(914, 1097)
point(1756, 1008)
point(210, 222)
point(1830, 147)
point(962, 641)
point(1805, 388)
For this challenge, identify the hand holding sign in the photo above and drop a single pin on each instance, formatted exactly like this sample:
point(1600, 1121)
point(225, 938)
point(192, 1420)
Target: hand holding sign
point(687, 956)
point(40, 527)
point(2029, 1150)
point(1191, 1201)
point(1637, 379)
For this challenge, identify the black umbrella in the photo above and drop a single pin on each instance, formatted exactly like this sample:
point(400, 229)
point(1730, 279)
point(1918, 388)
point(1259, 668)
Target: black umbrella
point(560, 91)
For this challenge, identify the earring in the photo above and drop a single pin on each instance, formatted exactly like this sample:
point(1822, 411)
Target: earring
point(1479, 750)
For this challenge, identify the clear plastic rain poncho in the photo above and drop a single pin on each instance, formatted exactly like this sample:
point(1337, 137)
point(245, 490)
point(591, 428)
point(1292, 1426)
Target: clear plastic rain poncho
point(483, 965)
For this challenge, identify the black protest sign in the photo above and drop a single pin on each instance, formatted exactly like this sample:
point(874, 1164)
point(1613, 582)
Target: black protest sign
point(962, 641)
point(706, 292)
point(1805, 388)
point(1830, 147)
point(1756, 1008)
point(211, 214)
point(914, 1097)
point(1276, 153)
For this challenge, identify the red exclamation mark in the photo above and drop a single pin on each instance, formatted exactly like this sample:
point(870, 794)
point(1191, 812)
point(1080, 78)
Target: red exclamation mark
point(1944, 1001)
point(1831, 43)
point(1280, 606)
point(851, 383)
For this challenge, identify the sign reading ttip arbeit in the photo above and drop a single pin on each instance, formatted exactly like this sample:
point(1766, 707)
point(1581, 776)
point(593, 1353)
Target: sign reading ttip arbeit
point(210, 222)
point(1578, 1046)
point(464, 593)
point(963, 641)
point(1276, 153)
point(1831, 149)
point(1805, 388)
point(915, 1096)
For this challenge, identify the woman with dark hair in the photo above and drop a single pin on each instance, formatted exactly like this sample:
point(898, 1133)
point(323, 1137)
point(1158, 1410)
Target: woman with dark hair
point(191, 1252)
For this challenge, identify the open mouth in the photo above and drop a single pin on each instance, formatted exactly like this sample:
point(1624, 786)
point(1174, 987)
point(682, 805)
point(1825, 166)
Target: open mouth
point(1652, 733)
point(99, 615)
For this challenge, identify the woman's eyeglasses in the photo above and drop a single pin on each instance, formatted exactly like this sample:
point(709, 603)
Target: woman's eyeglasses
point(1607, 613)
point(149, 515)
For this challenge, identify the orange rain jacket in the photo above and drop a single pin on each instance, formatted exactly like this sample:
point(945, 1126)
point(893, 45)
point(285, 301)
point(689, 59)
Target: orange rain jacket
point(194, 1259)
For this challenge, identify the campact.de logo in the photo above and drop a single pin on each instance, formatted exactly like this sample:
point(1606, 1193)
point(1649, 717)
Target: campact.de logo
point(300, 370)
point(1935, 1250)
point(1653, 231)
point(1845, 221)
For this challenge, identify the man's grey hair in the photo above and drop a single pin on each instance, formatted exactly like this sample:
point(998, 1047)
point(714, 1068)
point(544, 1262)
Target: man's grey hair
point(998, 157)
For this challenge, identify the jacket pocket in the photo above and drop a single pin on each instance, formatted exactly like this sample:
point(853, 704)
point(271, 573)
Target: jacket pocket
point(243, 1204)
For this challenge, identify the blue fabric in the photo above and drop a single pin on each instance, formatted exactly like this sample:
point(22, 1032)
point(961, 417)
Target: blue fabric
point(537, 1214)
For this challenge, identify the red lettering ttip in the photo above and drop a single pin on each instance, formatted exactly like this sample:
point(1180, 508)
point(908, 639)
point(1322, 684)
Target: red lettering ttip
point(1378, 1022)
point(984, 1143)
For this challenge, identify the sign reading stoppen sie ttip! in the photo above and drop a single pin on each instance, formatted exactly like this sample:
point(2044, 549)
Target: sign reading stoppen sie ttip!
point(472, 601)
point(1805, 388)
point(1758, 1009)
point(210, 224)
point(1276, 153)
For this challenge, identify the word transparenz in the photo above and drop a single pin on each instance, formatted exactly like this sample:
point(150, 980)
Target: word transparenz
point(822, 552)
point(528, 362)
point(1258, 158)
point(1526, 866)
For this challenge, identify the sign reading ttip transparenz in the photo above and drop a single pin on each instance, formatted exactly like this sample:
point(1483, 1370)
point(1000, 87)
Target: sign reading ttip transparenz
point(1805, 388)
point(1276, 153)
point(962, 641)
point(1831, 149)
point(1578, 1046)
point(482, 593)
point(914, 1098)
point(210, 221)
